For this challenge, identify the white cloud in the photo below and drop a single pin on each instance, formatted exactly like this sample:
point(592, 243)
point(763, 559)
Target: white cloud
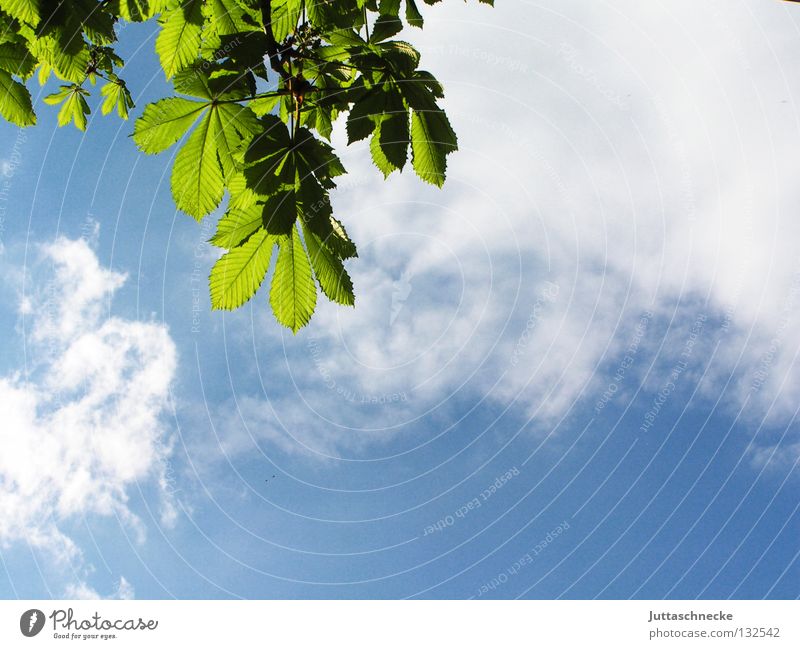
point(81, 590)
point(84, 424)
point(640, 158)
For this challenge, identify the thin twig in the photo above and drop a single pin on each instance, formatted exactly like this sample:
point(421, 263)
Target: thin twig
point(272, 44)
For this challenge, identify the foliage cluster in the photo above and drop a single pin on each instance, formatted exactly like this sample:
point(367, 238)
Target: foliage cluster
point(258, 85)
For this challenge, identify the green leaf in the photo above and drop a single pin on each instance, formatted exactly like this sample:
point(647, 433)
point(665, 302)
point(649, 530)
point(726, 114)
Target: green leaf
point(389, 8)
point(236, 276)
point(25, 10)
point(313, 156)
point(62, 47)
point(116, 96)
point(44, 73)
point(264, 105)
point(268, 161)
point(293, 294)
point(15, 101)
point(280, 212)
point(389, 144)
point(432, 139)
point(320, 118)
point(98, 25)
point(312, 199)
point(333, 235)
point(428, 81)
point(73, 105)
point(164, 123)
point(15, 58)
point(339, 242)
point(242, 197)
point(379, 157)
point(413, 16)
point(225, 17)
point(138, 10)
point(278, 171)
point(59, 96)
point(360, 122)
point(285, 15)
point(197, 184)
point(394, 138)
point(213, 81)
point(385, 27)
point(244, 49)
point(402, 57)
point(178, 43)
point(347, 38)
point(235, 126)
point(237, 226)
point(329, 270)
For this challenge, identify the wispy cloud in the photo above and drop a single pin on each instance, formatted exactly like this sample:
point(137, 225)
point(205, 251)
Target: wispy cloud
point(639, 170)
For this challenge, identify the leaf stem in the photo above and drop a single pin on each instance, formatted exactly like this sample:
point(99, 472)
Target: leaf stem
point(272, 44)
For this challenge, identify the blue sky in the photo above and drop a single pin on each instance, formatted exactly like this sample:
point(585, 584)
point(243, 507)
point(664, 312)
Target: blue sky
point(571, 373)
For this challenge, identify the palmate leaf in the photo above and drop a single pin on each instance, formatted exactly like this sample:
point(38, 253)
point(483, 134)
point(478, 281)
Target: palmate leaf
point(209, 158)
point(236, 276)
point(290, 176)
point(178, 43)
point(293, 294)
point(263, 144)
point(73, 105)
point(15, 101)
point(165, 122)
point(74, 109)
point(197, 182)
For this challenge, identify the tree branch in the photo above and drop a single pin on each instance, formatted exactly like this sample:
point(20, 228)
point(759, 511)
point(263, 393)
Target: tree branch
point(272, 45)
